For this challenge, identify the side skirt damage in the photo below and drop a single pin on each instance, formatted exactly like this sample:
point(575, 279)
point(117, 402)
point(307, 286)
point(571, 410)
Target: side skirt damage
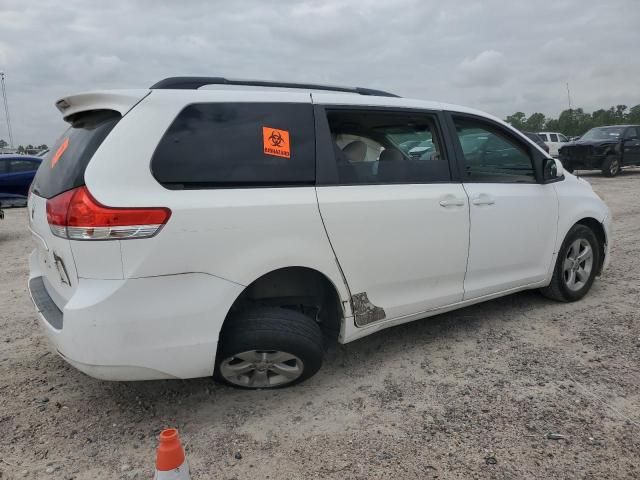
point(364, 311)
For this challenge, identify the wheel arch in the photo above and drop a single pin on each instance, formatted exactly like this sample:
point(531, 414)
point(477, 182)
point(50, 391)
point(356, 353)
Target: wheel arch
point(598, 229)
point(300, 288)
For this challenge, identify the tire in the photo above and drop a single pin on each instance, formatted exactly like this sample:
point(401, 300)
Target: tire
point(611, 166)
point(269, 347)
point(561, 287)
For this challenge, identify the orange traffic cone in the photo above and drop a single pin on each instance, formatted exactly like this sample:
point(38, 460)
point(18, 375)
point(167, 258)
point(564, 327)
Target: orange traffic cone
point(170, 461)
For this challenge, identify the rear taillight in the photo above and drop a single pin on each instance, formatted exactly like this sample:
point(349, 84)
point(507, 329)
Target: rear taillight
point(76, 215)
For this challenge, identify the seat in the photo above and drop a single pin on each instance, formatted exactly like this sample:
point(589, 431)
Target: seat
point(355, 151)
point(391, 166)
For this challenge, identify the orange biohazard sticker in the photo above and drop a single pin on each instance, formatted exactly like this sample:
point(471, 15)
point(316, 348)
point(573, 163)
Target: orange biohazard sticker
point(276, 142)
point(61, 149)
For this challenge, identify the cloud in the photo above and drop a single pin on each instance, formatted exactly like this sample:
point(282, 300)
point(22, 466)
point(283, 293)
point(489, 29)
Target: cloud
point(497, 55)
point(487, 69)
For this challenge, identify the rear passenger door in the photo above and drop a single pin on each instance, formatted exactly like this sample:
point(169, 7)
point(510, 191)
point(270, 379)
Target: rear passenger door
point(398, 223)
point(513, 217)
point(631, 146)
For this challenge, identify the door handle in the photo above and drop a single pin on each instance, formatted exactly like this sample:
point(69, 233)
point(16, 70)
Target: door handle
point(483, 199)
point(452, 202)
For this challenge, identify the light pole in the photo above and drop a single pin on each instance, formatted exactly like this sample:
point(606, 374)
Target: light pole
point(6, 108)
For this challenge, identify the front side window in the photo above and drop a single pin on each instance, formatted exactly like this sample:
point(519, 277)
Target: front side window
point(543, 136)
point(491, 154)
point(562, 138)
point(212, 145)
point(386, 147)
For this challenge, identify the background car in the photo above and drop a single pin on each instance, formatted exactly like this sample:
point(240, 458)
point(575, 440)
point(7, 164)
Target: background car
point(538, 139)
point(16, 175)
point(421, 150)
point(554, 141)
point(604, 148)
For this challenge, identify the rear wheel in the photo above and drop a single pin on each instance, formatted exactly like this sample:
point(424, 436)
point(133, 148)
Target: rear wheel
point(576, 266)
point(611, 166)
point(269, 348)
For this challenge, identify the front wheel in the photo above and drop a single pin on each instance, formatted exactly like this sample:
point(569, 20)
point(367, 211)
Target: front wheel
point(576, 266)
point(269, 348)
point(611, 166)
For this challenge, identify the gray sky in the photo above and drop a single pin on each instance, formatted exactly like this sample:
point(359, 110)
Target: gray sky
point(497, 55)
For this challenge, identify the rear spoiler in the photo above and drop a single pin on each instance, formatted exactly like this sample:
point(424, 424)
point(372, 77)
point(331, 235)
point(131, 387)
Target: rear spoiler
point(119, 100)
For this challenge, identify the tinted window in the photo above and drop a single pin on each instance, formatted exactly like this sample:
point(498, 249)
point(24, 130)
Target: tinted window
point(562, 138)
point(543, 136)
point(4, 165)
point(64, 166)
point(632, 133)
point(372, 147)
point(23, 166)
point(491, 154)
point(553, 137)
point(237, 144)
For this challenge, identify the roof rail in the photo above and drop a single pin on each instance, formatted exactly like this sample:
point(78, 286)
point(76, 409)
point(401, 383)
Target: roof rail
point(193, 83)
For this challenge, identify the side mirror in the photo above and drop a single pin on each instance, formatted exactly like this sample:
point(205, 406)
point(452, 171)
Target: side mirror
point(552, 170)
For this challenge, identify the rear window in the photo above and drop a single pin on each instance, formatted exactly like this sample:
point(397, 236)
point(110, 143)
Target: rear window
point(212, 145)
point(63, 167)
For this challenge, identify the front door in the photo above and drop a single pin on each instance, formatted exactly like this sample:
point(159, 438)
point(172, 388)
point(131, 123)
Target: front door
point(513, 217)
point(631, 146)
point(398, 225)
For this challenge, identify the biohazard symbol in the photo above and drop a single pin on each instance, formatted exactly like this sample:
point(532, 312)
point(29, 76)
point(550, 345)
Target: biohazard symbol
point(276, 138)
point(276, 142)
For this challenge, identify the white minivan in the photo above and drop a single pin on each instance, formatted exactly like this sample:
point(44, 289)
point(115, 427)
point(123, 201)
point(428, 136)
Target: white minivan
point(184, 232)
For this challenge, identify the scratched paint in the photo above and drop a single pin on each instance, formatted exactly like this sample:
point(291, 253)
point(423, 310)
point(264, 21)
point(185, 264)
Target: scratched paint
point(365, 312)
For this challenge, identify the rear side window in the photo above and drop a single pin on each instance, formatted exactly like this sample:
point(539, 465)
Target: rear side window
point(217, 145)
point(23, 166)
point(553, 137)
point(543, 136)
point(63, 167)
point(386, 147)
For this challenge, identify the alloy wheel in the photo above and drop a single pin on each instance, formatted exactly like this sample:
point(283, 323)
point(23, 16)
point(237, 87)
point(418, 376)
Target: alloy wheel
point(614, 167)
point(261, 368)
point(578, 264)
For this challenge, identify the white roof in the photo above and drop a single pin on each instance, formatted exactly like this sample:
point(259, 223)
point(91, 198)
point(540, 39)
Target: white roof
point(124, 100)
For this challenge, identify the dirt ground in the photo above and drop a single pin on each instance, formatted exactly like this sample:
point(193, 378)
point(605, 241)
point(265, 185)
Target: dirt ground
point(474, 393)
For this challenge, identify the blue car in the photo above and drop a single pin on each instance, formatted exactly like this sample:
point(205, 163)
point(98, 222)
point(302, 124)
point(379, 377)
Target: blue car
point(16, 174)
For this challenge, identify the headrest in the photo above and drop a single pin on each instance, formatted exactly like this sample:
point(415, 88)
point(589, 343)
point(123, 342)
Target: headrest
point(391, 155)
point(355, 151)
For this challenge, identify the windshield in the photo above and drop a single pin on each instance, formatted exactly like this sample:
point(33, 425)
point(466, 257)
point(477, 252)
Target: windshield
point(603, 133)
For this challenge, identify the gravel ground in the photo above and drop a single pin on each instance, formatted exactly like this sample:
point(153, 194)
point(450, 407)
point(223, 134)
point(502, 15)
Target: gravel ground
point(475, 393)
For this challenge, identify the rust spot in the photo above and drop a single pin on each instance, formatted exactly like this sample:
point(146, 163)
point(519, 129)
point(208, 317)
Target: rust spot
point(364, 311)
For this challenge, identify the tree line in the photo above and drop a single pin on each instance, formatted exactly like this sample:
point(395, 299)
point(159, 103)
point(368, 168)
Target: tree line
point(28, 149)
point(575, 121)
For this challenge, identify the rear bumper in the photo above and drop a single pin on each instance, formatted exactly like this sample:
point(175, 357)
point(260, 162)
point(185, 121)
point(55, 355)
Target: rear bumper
point(137, 329)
